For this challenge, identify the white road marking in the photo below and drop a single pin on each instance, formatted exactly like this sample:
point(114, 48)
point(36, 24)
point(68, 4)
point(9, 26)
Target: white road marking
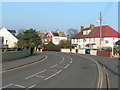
point(53, 75)
point(35, 74)
point(59, 66)
point(19, 86)
point(71, 61)
point(66, 66)
point(61, 61)
point(54, 66)
point(32, 86)
point(53, 70)
point(40, 76)
point(71, 58)
point(7, 85)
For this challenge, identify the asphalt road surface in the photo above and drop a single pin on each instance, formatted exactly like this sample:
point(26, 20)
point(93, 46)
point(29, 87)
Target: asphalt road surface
point(58, 70)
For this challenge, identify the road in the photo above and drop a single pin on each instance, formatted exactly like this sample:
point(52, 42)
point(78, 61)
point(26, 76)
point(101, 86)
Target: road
point(58, 70)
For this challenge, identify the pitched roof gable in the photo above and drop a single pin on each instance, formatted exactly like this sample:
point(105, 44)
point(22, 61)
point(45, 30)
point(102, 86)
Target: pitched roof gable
point(107, 31)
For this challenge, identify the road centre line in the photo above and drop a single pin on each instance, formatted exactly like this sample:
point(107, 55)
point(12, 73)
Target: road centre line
point(66, 66)
point(61, 61)
point(71, 61)
point(54, 66)
point(53, 75)
point(35, 74)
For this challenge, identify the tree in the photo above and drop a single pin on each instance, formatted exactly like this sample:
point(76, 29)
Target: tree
point(52, 47)
point(64, 43)
point(71, 32)
point(28, 38)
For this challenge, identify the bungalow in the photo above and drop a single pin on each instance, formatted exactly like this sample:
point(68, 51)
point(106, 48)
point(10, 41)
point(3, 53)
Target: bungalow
point(8, 38)
point(90, 37)
point(53, 36)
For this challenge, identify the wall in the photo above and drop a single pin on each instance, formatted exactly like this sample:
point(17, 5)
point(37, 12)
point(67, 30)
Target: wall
point(104, 53)
point(12, 55)
point(81, 51)
point(65, 50)
point(56, 40)
point(93, 52)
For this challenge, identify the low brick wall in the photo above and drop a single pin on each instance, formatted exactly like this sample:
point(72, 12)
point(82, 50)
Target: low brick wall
point(12, 55)
point(93, 52)
point(104, 53)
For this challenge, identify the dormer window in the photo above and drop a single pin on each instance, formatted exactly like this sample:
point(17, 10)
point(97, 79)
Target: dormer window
point(86, 32)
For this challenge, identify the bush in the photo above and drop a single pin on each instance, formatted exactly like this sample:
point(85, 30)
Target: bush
point(51, 47)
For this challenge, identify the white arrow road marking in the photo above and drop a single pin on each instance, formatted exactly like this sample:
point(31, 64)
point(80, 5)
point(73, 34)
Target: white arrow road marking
point(7, 85)
point(19, 86)
point(35, 74)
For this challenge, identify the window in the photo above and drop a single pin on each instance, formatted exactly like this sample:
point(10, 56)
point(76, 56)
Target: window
point(2, 40)
point(55, 34)
point(84, 40)
point(106, 41)
point(86, 32)
point(77, 40)
point(57, 39)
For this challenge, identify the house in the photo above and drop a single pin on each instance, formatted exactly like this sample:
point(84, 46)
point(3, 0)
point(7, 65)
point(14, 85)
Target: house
point(8, 38)
point(90, 37)
point(53, 36)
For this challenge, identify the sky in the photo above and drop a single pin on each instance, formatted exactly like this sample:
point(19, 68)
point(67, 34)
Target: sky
point(50, 16)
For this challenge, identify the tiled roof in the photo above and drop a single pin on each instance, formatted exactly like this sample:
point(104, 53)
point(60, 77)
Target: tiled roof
point(58, 33)
point(107, 31)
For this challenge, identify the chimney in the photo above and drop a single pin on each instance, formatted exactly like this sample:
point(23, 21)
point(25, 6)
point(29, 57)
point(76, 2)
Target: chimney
point(82, 27)
point(45, 32)
point(91, 26)
point(57, 31)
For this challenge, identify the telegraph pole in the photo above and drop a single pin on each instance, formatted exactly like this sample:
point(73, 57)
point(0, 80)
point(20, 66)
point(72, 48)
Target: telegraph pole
point(100, 28)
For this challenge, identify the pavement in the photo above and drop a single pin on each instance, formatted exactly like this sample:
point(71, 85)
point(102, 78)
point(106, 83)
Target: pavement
point(23, 61)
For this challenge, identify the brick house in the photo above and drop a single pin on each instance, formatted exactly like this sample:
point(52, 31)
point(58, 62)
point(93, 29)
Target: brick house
point(53, 36)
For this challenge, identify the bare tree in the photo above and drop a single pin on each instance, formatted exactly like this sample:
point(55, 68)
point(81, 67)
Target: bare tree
point(71, 32)
point(64, 43)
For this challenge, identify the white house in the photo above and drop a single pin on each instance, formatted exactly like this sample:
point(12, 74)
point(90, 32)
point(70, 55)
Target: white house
point(90, 37)
point(53, 36)
point(8, 39)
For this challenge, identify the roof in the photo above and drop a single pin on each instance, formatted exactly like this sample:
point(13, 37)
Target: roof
point(107, 31)
point(58, 33)
point(12, 31)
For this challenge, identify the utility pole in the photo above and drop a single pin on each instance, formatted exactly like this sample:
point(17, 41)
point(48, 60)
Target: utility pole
point(100, 29)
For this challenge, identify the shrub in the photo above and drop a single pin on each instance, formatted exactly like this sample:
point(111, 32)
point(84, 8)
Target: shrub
point(51, 47)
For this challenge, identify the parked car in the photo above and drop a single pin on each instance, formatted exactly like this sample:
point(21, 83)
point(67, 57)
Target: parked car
point(87, 51)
